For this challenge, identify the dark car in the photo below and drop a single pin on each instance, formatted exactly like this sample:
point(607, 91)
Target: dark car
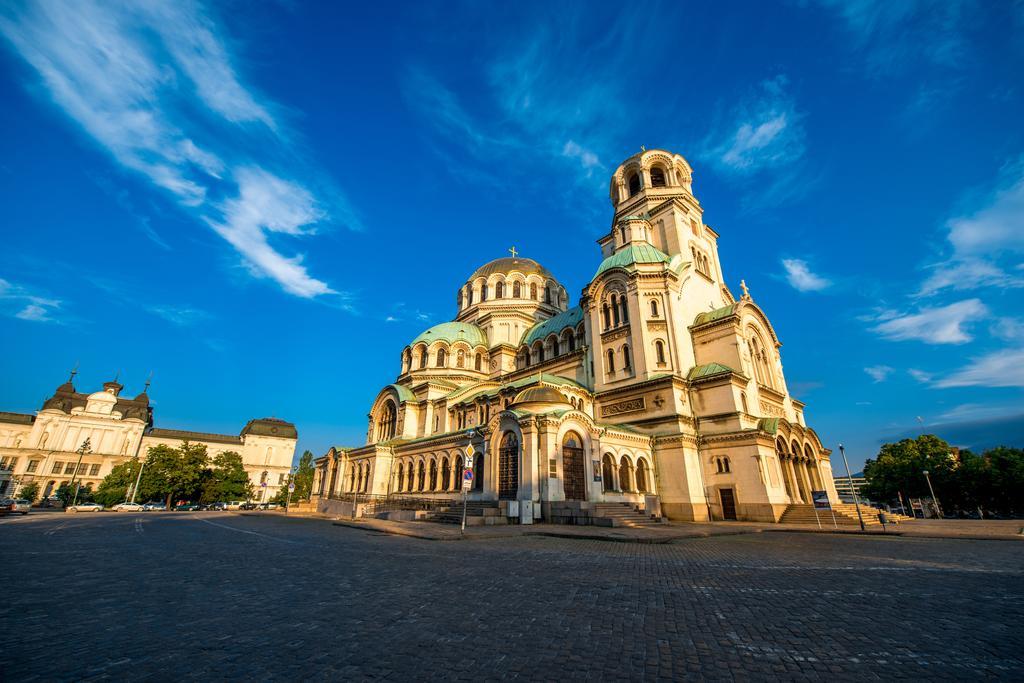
point(217, 506)
point(248, 506)
point(188, 507)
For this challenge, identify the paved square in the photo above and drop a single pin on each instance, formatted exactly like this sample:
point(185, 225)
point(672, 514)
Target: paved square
point(166, 596)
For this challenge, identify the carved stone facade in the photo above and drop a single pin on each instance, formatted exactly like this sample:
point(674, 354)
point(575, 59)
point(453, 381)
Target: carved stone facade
point(658, 388)
point(44, 447)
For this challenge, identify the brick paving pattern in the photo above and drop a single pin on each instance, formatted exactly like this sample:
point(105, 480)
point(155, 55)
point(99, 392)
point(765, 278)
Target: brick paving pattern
point(164, 596)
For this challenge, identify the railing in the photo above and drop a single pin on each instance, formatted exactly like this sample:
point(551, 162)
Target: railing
point(377, 503)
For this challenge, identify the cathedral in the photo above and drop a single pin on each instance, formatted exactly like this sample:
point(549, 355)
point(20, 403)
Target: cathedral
point(659, 389)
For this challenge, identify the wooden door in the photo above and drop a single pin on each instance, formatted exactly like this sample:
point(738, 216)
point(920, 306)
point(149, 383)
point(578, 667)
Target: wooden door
point(728, 504)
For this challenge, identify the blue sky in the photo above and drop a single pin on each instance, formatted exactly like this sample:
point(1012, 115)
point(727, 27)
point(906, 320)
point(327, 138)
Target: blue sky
point(263, 203)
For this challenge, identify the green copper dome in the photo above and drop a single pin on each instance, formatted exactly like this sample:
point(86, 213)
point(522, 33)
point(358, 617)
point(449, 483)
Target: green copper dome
point(452, 332)
point(634, 253)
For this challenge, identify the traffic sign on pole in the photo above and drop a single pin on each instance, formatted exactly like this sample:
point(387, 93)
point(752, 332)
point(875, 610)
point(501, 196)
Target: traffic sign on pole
point(291, 486)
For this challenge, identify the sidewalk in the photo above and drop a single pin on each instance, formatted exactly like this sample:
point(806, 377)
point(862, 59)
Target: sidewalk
point(1001, 530)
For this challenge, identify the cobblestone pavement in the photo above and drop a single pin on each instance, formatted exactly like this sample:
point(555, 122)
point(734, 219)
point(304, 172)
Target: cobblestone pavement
point(168, 596)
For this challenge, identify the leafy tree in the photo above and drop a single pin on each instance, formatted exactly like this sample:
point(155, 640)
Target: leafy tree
point(900, 467)
point(303, 479)
point(173, 472)
point(29, 491)
point(227, 479)
point(115, 486)
point(66, 493)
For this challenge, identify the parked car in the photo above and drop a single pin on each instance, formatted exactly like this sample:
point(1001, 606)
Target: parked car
point(217, 506)
point(13, 505)
point(188, 507)
point(268, 506)
point(127, 507)
point(154, 507)
point(248, 505)
point(234, 505)
point(85, 507)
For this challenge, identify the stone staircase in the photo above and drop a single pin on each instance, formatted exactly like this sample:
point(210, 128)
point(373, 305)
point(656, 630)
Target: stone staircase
point(846, 515)
point(478, 513)
point(621, 515)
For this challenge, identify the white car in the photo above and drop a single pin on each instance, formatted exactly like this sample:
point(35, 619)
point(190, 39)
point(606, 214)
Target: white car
point(85, 507)
point(154, 507)
point(127, 507)
point(234, 505)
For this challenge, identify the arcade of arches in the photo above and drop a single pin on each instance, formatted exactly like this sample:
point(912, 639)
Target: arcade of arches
point(658, 389)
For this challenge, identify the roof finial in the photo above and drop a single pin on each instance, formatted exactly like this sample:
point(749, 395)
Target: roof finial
point(746, 292)
point(74, 371)
point(149, 380)
point(513, 252)
point(117, 375)
point(643, 148)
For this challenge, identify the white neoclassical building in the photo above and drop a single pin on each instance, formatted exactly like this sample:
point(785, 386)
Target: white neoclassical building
point(658, 388)
point(44, 447)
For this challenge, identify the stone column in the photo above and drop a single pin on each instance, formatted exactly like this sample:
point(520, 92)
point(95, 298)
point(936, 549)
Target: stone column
point(806, 474)
point(796, 482)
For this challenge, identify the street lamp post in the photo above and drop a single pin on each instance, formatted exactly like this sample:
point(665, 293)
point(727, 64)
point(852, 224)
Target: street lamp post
point(82, 450)
point(849, 478)
point(138, 478)
point(935, 501)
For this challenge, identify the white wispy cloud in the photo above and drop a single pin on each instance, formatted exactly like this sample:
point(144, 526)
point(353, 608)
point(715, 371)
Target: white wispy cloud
point(179, 315)
point(588, 159)
point(800, 277)
point(920, 375)
point(894, 35)
point(765, 131)
point(152, 83)
point(986, 242)
point(24, 304)
point(1003, 368)
point(879, 373)
point(938, 325)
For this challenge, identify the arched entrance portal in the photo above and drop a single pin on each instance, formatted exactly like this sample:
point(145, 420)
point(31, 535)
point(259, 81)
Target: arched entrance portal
point(508, 467)
point(573, 467)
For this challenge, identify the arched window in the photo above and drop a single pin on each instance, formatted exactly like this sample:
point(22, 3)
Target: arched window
point(460, 359)
point(570, 342)
point(508, 467)
point(725, 464)
point(483, 292)
point(423, 358)
point(547, 294)
point(499, 291)
point(634, 184)
point(421, 476)
point(470, 295)
point(573, 472)
point(659, 351)
point(526, 358)
point(625, 474)
point(627, 360)
point(478, 362)
point(657, 176)
point(606, 312)
point(538, 352)
point(624, 309)
point(759, 358)
point(718, 465)
point(610, 367)
point(401, 475)
point(433, 475)
point(458, 299)
point(478, 472)
point(654, 308)
point(533, 291)
point(457, 472)
point(387, 423)
point(607, 473)
point(641, 476)
point(615, 309)
point(441, 358)
point(743, 400)
point(517, 290)
point(622, 233)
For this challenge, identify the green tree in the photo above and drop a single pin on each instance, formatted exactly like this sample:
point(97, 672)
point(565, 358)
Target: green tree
point(66, 493)
point(29, 491)
point(115, 486)
point(1006, 479)
point(173, 472)
point(227, 479)
point(302, 477)
point(900, 467)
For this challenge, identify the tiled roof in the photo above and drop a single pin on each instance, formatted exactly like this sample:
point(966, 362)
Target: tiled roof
point(16, 418)
point(633, 254)
point(707, 370)
point(452, 332)
point(714, 315)
point(193, 436)
point(570, 318)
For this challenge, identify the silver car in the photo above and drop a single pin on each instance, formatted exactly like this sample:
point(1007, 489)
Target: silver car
point(85, 507)
point(13, 505)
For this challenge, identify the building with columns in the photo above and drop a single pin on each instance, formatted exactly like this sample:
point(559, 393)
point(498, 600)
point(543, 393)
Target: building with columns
point(658, 388)
point(44, 447)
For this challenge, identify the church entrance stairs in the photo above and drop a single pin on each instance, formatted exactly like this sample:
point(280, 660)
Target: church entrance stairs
point(621, 515)
point(478, 513)
point(846, 515)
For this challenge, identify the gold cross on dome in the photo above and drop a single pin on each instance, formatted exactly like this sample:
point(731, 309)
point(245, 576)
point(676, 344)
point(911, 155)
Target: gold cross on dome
point(513, 252)
point(743, 286)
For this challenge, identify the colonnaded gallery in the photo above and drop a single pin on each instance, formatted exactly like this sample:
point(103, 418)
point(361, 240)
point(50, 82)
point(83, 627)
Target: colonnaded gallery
point(44, 447)
point(659, 389)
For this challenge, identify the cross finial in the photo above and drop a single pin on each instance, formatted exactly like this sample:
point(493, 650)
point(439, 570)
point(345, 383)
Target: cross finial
point(743, 286)
point(149, 380)
point(74, 371)
point(643, 148)
point(513, 252)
